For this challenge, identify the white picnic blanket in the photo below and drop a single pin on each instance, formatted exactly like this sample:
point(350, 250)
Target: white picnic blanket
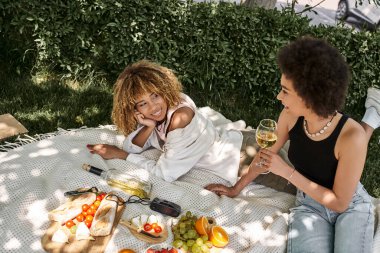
point(33, 178)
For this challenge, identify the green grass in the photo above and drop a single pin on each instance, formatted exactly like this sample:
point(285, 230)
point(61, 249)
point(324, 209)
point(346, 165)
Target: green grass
point(43, 103)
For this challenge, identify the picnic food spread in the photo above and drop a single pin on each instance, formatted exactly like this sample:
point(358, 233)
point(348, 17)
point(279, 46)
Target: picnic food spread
point(90, 214)
point(84, 223)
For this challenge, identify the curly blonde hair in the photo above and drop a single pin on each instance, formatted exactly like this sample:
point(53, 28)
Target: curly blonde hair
point(136, 80)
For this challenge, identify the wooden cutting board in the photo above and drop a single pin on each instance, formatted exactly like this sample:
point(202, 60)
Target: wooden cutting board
point(74, 246)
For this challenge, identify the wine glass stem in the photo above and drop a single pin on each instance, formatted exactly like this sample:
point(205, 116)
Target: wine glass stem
point(260, 164)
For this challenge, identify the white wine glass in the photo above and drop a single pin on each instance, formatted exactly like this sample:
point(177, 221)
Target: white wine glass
point(266, 135)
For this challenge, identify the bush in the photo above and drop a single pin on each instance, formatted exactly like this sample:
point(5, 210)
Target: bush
point(219, 51)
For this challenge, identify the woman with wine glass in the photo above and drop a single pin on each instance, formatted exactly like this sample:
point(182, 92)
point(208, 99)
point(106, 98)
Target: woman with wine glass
point(333, 211)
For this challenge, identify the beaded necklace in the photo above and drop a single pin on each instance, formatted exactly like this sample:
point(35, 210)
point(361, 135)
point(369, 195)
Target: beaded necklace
point(320, 131)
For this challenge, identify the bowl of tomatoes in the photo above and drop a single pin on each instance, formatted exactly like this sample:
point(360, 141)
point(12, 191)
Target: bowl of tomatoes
point(162, 248)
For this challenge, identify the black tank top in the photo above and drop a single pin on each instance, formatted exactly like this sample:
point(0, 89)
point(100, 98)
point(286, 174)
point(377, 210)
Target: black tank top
point(314, 159)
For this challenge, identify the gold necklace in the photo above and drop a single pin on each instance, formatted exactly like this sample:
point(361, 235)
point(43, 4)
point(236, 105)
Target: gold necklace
point(322, 131)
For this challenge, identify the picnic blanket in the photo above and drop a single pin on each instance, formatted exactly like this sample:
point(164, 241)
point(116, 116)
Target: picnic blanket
point(34, 176)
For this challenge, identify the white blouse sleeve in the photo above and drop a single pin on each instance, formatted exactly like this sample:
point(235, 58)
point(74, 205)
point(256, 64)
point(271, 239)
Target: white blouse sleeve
point(132, 148)
point(183, 149)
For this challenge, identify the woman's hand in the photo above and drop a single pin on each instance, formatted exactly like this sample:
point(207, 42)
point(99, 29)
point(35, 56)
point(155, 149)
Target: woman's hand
point(220, 189)
point(107, 151)
point(255, 167)
point(142, 120)
point(273, 162)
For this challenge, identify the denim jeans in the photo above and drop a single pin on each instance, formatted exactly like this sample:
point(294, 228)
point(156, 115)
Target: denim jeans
point(315, 228)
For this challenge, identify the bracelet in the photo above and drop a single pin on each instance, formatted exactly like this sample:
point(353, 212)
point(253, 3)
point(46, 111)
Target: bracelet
point(291, 175)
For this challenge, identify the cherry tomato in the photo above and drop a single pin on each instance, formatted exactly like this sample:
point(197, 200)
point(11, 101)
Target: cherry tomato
point(80, 217)
point(158, 229)
point(69, 223)
point(150, 251)
point(147, 227)
point(97, 204)
point(85, 207)
point(103, 194)
point(84, 214)
point(88, 223)
point(164, 251)
point(93, 207)
point(89, 218)
point(91, 211)
point(154, 225)
point(173, 250)
point(99, 198)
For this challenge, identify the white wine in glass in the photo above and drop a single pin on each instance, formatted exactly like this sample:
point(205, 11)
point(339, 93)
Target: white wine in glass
point(266, 135)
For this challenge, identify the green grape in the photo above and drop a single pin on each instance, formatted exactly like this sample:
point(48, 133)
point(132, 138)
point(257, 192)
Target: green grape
point(195, 248)
point(204, 238)
point(182, 225)
point(190, 243)
point(178, 244)
point(208, 244)
point(192, 233)
point(199, 241)
point(184, 248)
point(182, 231)
point(204, 248)
point(189, 214)
point(73, 229)
point(186, 236)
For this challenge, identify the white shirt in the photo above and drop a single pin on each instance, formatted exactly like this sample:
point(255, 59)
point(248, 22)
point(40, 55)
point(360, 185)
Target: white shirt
point(200, 144)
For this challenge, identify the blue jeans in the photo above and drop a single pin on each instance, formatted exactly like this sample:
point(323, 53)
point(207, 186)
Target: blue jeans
point(315, 228)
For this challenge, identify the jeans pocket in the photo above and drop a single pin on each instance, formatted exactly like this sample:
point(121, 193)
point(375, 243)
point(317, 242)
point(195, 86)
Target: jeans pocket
point(360, 197)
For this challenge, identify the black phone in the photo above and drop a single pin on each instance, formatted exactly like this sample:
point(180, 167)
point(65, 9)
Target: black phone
point(165, 207)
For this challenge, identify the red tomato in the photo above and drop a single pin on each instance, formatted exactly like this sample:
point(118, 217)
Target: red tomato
point(84, 214)
point(69, 223)
point(91, 211)
point(147, 227)
point(164, 251)
point(89, 218)
point(103, 194)
point(173, 250)
point(88, 223)
point(99, 198)
point(150, 251)
point(158, 229)
point(93, 207)
point(85, 207)
point(80, 217)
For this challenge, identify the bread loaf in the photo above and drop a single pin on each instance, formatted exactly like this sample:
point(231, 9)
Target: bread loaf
point(104, 217)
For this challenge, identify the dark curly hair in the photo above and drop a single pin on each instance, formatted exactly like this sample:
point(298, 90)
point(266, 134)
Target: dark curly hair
point(319, 73)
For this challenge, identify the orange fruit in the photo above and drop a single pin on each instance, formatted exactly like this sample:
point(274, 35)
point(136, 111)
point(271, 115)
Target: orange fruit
point(218, 237)
point(202, 226)
point(126, 251)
